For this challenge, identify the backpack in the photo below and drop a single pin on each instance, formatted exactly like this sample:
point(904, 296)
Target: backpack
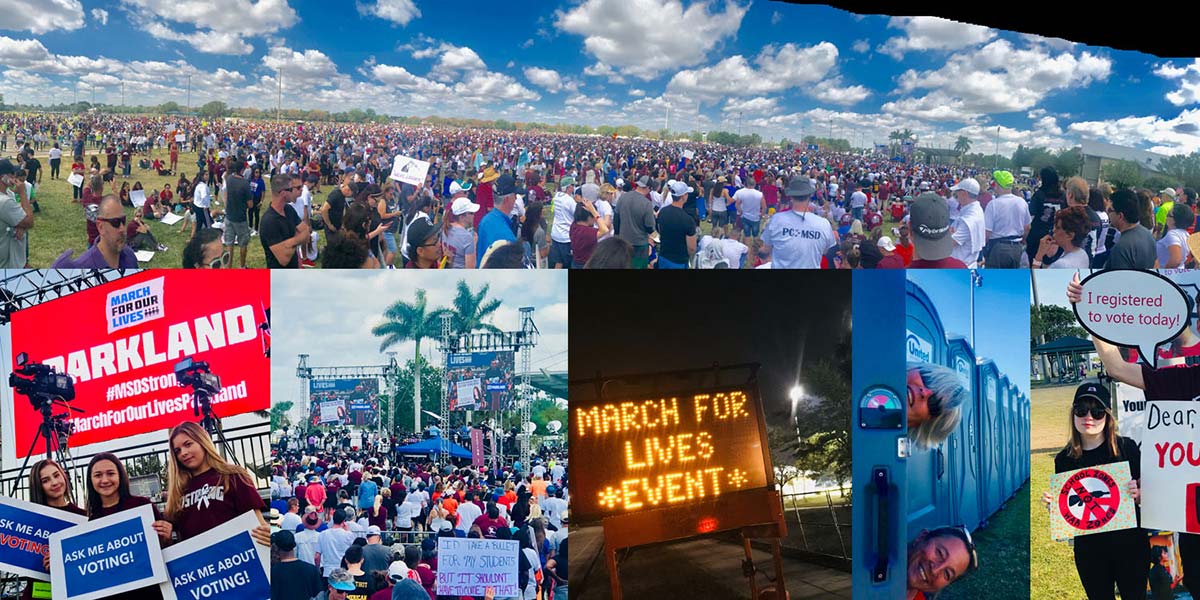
point(711, 256)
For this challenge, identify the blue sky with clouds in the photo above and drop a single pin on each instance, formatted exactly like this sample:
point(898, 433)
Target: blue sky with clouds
point(781, 70)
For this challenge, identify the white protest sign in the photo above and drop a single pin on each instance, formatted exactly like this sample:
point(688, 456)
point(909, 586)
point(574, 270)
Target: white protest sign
point(171, 219)
point(179, 137)
point(75, 179)
point(465, 391)
point(138, 198)
point(331, 411)
point(105, 557)
point(1170, 463)
point(409, 170)
point(1137, 309)
point(1130, 405)
point(25, 529)
point(468, 566)
point(689, 154)
point(221, 562)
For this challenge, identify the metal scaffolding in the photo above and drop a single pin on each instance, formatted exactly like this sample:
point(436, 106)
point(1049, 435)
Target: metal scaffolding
point(389, 373)
point(521, 342)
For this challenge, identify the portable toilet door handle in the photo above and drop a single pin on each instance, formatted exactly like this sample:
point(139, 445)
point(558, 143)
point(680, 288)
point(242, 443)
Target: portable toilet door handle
point(883, 510)
point(941, 458)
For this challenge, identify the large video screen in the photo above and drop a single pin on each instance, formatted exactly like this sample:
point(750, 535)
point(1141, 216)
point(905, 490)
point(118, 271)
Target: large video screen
point(344, 402)
point(480, 381)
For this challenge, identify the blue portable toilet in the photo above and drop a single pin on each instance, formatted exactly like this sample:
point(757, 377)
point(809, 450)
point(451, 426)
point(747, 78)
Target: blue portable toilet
point(963, 454)
point(1027, 429)
point(929, 503)
point(989, 438)
point(1007, 439)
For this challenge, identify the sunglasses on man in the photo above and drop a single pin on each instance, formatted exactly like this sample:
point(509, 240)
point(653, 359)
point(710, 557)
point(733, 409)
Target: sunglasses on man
point(116, 222)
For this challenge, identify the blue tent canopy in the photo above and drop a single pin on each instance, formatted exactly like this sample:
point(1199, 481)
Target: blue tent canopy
point(429, 446)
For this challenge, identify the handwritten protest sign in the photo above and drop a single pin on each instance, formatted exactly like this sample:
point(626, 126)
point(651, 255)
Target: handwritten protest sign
point(138, 198)
point(223, 562)
point(1170, 462)
point(25, 530)
point(467, 567)
point(1091, 500)
point(1138, 309)
point(107, 556)
point(409, 170)
point(689, 154)
point(75, 179)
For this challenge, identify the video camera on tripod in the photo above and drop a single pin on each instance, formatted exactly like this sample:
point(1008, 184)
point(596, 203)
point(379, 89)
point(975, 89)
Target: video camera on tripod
point(45, 387)
point(205, 384)
point(40, 383)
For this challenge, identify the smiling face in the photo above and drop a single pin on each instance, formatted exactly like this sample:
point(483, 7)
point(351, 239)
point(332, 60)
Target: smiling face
point(190, 454)
point(54, 485)
point(106, 480)
point(936, 563)
point(918, 399)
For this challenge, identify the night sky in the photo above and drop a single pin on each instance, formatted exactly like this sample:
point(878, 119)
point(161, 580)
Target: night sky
point(636, 322)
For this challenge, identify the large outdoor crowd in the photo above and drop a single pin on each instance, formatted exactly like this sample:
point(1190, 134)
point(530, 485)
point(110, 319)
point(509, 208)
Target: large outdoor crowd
point(361, 520)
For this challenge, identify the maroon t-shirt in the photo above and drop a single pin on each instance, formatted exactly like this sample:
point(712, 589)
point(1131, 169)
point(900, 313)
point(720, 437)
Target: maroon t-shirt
point(946, 263)
point(207, 503)
point(126, 504)
point(489, 526)
point(894, 261)
point(1173, 383)
point(583, 242)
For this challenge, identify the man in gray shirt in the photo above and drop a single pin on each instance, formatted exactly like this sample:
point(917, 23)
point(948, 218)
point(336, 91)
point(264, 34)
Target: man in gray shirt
point(635, 216)
point(16, 217)
point(1135, 248)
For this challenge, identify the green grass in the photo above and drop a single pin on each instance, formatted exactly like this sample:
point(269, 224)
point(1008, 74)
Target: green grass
point(1003, 556)
point(1052, 564)
point(61, 224)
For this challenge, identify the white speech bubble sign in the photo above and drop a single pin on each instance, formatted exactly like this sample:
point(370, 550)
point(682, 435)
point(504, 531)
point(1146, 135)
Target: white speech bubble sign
point(1132, 308)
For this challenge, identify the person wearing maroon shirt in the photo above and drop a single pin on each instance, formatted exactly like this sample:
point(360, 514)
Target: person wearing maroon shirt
point(49, 486)
point(108, 494)
point(204, 491)
point(490, 522)
point(1175, 383)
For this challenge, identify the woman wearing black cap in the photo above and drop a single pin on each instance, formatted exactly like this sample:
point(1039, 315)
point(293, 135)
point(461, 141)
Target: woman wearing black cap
point(1119, 557)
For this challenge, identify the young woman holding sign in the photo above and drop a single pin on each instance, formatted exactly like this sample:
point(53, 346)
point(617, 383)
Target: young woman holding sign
point(1119, 557)
point(108, 494)
point(204, 491)
point(49, 486)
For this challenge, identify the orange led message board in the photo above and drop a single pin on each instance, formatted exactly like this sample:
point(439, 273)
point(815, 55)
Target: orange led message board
point(641, 454)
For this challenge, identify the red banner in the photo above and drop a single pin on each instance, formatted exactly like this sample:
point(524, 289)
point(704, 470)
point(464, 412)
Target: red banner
point(120, 343)
point(476, 447)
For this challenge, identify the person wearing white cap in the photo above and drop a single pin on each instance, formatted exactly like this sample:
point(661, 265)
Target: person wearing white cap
point(890, 259)
point(969, 229)
point(376, 556)
point(459, 238)
point(1008, 221)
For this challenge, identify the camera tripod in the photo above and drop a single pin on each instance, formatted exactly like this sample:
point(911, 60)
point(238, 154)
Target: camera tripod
point(202, 407)
point(54, 431)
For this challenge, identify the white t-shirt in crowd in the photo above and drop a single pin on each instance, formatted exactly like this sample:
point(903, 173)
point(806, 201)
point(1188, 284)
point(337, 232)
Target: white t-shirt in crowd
point(798, 240)
point(752, 201)
point(969, 234)
point(564, 216)
point(1173, 237)
point(1007, 216)
point(1072, 260)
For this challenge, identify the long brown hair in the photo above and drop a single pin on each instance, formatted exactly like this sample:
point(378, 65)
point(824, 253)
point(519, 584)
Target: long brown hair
point(94, 503)
point(1075, 444)
point(178, 476)
point(37, 494)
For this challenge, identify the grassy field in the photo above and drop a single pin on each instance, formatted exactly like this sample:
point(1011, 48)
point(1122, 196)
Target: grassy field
point(1052, 564)
point(61, 224)
point(1003, 556)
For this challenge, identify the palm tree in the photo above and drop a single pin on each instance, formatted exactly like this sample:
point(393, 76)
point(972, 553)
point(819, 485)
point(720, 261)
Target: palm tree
point(962, 145)
point(471, 309)
point(410, 321)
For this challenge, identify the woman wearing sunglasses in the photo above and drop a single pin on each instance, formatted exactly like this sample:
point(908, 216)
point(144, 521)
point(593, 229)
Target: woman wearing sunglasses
point(205, 251)
point(937, 558)
point(1112, 557)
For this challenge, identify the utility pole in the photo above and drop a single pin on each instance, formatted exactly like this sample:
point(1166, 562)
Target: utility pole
point(189, 95)
point(667, 126)
point(279, 104)
point(996, 160)
point(123, 71)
